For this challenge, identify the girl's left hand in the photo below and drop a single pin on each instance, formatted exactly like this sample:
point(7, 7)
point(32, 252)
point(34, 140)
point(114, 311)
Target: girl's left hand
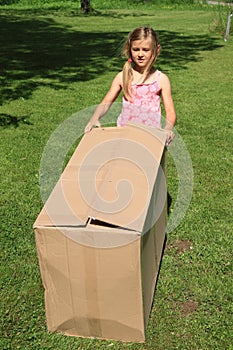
point(170, 137)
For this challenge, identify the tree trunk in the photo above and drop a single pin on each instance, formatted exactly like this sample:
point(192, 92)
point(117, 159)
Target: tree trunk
point(85, 6)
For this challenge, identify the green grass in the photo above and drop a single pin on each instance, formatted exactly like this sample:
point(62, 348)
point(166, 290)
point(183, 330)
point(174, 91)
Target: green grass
point(107, 5)
point(56, 63)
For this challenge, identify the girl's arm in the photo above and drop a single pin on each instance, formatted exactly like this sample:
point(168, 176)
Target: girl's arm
point(169, 107)
point(106, 103)
point(168, 103)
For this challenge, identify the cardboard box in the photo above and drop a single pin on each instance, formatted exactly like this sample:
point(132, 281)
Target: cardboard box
point(101, 233)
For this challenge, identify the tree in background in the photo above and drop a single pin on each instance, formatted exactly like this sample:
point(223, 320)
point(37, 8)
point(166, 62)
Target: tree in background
point(85, 6)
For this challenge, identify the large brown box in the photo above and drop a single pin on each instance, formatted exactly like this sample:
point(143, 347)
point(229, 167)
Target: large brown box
point(101, 233)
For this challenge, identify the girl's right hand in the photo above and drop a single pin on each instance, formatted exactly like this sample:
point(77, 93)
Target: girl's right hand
point(91, 125)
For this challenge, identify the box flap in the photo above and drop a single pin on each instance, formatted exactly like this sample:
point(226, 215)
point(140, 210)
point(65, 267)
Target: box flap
point(110, 177)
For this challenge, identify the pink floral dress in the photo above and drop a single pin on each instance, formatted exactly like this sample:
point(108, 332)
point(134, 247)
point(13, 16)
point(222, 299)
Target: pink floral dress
point(145, 105)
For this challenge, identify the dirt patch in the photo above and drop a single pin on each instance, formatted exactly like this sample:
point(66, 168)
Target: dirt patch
point(180, 246)
point(187, 307)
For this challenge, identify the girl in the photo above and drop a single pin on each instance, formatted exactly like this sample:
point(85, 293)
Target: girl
point(142, 86)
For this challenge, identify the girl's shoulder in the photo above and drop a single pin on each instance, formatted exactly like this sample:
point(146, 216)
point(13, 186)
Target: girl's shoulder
point(119, 78)
point(163, 80)
point(159, 75)
point(162, 75)
point(119, 75)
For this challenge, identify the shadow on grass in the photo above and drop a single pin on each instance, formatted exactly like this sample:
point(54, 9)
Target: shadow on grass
point(41, 52)
point(9, 120)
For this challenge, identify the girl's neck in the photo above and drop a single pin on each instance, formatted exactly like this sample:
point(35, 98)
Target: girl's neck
point(141, 76)
point(139, 70)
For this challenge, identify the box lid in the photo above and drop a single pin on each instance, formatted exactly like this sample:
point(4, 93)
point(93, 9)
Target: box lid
point(110, 178)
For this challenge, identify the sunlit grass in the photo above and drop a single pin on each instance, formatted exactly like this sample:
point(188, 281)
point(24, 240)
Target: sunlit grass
point(54, 64)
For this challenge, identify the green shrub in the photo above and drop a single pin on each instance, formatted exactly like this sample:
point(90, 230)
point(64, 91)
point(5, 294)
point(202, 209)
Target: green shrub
point(219, 24)
point(96, 3)
point(8, 2)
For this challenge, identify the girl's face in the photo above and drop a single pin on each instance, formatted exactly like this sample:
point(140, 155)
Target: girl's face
point(141, 52)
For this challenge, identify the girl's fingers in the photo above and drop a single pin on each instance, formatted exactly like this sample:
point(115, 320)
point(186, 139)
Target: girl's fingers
point(170, 137)
point(90, 126)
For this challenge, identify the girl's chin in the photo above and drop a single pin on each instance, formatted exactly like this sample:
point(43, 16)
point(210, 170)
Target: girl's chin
point(141, 64)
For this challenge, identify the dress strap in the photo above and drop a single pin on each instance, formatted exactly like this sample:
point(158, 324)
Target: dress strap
point(158, 74)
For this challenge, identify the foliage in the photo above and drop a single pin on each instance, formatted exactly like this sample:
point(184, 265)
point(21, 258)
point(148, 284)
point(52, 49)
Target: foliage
point(97, 4)
point(219, 23)
point(8, 2)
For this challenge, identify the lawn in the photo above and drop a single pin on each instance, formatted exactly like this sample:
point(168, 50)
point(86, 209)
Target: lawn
point(58, 63)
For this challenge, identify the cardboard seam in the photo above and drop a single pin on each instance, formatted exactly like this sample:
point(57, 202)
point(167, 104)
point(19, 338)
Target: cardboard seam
point(70, 287)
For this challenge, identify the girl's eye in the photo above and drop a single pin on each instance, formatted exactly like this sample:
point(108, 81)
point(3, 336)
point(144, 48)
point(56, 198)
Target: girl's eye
point(137, 49)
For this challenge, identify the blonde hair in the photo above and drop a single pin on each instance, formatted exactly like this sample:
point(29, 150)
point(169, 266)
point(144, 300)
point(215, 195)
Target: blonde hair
point(140, 33)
